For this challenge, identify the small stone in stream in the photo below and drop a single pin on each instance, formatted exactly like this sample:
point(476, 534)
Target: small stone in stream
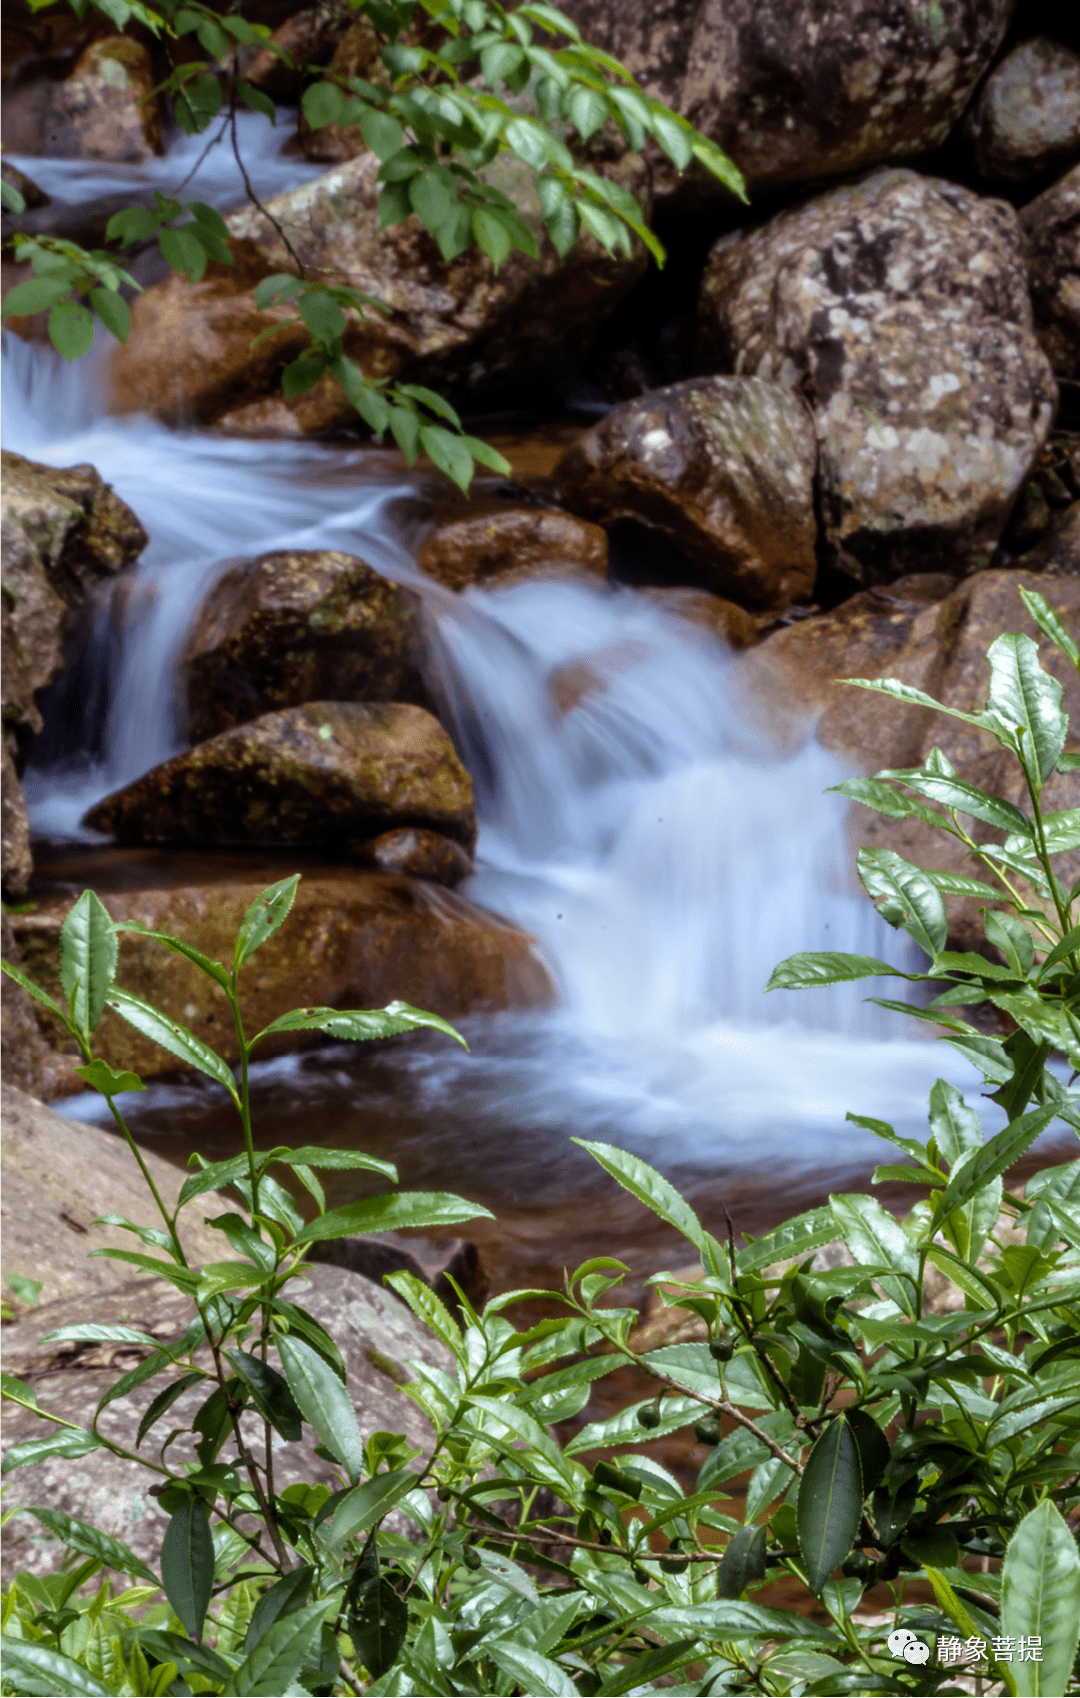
point(478, 548)
point(327, 772)
point(294, 627)
point(106, 109)
point(1051, 226)
point(417, 854)
point(899, 306)
point(1026, 120)
point(723, 469)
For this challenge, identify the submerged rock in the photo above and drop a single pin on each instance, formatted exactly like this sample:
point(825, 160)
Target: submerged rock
point(899, 306)
point(796, 93)
point(418, 854)
point(61, 531)
point(723, 467)
point(460, 323)
point(1051, 225)
point(324, 773)
point(479, 547)
point(297, 627)
point(353, 940)
point(104, 110)
point(1026, 120)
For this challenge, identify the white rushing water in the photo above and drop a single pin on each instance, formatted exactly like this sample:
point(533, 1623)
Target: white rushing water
point(633, 819)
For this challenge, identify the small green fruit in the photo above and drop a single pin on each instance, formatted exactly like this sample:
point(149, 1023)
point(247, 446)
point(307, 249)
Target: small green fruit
point(471, 1558)
point(721, 1349)
point(707, 1431)
point(649, 1416)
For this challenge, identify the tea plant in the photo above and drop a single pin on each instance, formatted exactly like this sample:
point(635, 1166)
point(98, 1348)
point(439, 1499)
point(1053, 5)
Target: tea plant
point(927, 1446)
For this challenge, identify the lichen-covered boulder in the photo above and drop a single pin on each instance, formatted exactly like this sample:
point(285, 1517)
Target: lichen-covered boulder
point(1026, 120)
point(899, 306)
point(1051, 226)
point(723, 467)
point(295, 627)
point(103, 110)
point(354, 939)
point(500, 540)
point(324, 773)
point(797, 93)
point(460, 325)
point(61, 532)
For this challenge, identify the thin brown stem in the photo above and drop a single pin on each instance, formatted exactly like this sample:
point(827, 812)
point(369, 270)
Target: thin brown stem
point(254, 199)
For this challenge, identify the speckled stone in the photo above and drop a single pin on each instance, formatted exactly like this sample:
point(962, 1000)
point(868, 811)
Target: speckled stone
point(295, 627)
point(899, 306)
point(328, 772)
point(723, 467)
point(800, 92)
point(1051, 225)
point(1026, 119)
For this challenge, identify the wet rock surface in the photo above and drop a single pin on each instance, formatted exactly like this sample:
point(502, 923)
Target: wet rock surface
point(103, 110)
point(1051, 226)
point(290, 628)
point(501, 541)
point(721, 467)
point(418, 854)
point(468, 328)
point(1026, 120)
point(799, 93)
point(899, 307)
point(327, 772)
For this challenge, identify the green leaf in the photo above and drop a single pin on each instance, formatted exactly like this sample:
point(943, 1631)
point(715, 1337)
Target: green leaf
point(447, 451)
point(174, 1038)
point(405, 429)
point(743, 1563)
point(101, 1077)
point(323, 1401)
point(995, 1157)
point(382, 132)
point(256, 99)
point(875, 1239)
point(187, 1563)
point(811, 968)
point(322, 104)
point(272, 1665)
point(282, 286)
point(528, 1670)
point(486, 455)
point(431, 197)
point(132, 224)
point(183, 251)
point(268, 911)
point(323, 317)
point(315, 1155)
point(36, 992)
point(68, 1441)
point(963, 798)
point(492, 236)
point(905, 897)
point(358, 1025)
point(674, 135)
point(37, 294)
point(378, 1624)
point(302, 374)
point(88, 1541)
point(829, 1507)
point(113, 311)
point(93, 1332)
point(164, 1402)
point(408, 1209)
point(10, 197)
point(285, 1596)
point(586, 109)
point(213, 969)
point(34, 1661)
point(88, 957)
point(1050, 625)
point(652, 1189)
point(792, 1238)
point(1028, 699)
point(1040, 1597)
point(365, 1504)
point(988, 1055)
point(71, 329)
point(642, 1670)
point(269, 1393)
point(369, 402)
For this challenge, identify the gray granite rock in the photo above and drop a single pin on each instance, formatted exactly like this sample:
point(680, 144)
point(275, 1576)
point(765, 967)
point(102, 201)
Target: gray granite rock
point(899, 306)
point(1026, 120)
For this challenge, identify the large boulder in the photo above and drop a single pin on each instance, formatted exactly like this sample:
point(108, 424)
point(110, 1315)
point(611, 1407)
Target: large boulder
point(489, 543)
point(327, 772)
point(723, 467)
point(461, 324)
point(938, 646)
point(797, 93)
point(1026, 120)
point(899, 305)
point(62, 532)
point(353, 940)
point(1051, 225)
point(290, 628)
point(104, 109)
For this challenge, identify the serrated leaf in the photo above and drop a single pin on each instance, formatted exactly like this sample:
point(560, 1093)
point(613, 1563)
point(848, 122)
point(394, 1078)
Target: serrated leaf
point(378, 1624)
point(904, 896)
point(360, 1025)
point(269, 910)
point(171, 1036)
point(1040, 1598)
point(34, 1661)
point(811, 968)
point(875, 1239)
point(89, 1541)
point(1028, 699)
point(652, 1189)
point(69, 1441)
point(406, 1209)
point(323, 1401)
point(367, 1503)
point(995, 1157)
point(829, 1507)
point(1050, 625)
point(88, 958)
point(529, 1670)
point(743, 1563)
point(272, 1665)
point(164, 1402)
point(269, 1393)
point(187, 1564)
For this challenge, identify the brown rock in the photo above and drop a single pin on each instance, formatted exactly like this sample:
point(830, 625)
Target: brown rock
point(323, 773)
point(308, 38)
point(461, 324)
point(16, 861)
point(24, 1047)
point(899, 306)
point(1058, 550)
point(1051, 226)
point(104, 110)
point(479, 546)
point(353, 940)
point(418, 854)
point(290, 628)
point(1026, 120)
point(724, 468)
point(726, 619)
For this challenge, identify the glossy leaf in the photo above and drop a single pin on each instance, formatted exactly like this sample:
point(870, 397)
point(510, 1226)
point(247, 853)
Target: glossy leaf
point(359, 1025)
point(905, 897)
point(171, 1036)
point(322, 1400)
point(50, 1670)
point(269, 911)
point(1050, 625)
point(269, 1393)
point(875, 1239)
point(830, 1501)
point(187, 1564)
point(995, 1157)
point(407, 1209)
point(1040, 1597)
point(529, 1670)
point(286, 1595)
point(652, 1189)
point(367, 1503)
point(89, 1541)
point(272, 1665)
point(378, 1623)
point(88, 958)
point(164, 1402)
point(63, 1441)
point(812, 968)
point(743, 1563)
point(101, 1077)
point(1028, 699)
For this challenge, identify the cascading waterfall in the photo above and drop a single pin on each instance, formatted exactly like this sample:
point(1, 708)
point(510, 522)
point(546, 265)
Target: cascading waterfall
point(633, 819)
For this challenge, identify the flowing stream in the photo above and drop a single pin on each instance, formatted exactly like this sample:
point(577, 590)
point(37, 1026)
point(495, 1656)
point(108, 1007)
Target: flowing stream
point(633, 819)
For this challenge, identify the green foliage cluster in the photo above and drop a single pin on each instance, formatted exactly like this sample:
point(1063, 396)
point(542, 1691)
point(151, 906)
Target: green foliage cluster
point(889, 1439)
point(461, 84)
